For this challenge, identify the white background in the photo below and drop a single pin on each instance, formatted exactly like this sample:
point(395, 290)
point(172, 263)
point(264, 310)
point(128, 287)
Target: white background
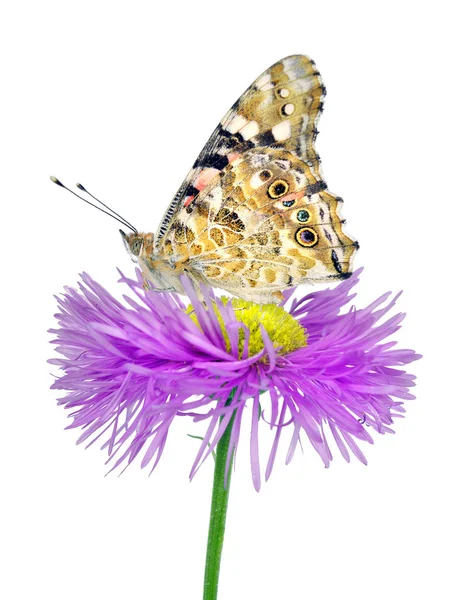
point(122, 96)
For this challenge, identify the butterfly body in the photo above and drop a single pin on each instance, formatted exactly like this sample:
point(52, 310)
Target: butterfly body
point(254, 216)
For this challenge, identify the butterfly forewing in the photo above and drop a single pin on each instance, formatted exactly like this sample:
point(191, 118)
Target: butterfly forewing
point(279, 109)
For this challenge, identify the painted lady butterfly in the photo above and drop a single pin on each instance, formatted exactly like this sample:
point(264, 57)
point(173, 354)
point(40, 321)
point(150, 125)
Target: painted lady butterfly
point(254, 216)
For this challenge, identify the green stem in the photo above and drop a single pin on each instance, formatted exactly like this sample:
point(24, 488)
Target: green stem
point(217, 522)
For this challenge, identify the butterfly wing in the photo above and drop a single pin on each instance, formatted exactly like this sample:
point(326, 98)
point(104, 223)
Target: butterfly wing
point(280, 109)
point(264, 224)
point(254, 216)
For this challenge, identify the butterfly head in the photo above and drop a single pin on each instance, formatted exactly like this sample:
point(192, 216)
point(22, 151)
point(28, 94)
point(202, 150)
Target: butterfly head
point(138, 244)
point(159, 274)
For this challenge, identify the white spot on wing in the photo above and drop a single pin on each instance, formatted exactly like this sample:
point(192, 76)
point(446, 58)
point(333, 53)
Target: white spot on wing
point(292, 75)
point(289, 109)
point(293, 67)
point(249, 130)
point(284, 93)
point(281, 131)
point(256, 181)
point(303, 86)
point(263, 81)
point(236, 124)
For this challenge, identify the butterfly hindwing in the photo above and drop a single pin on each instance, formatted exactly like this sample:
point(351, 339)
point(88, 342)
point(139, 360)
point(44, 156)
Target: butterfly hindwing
point(264, 223)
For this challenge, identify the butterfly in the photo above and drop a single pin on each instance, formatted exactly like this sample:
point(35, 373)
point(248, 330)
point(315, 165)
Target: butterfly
point(254, 215)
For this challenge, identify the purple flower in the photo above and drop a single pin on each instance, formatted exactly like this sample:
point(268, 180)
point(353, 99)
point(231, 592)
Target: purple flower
point(131, 368)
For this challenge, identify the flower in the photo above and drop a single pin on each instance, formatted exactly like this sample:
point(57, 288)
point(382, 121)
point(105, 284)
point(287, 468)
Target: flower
point(130, 368)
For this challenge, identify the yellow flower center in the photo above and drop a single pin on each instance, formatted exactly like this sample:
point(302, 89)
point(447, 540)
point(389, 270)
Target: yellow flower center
point(283, 330)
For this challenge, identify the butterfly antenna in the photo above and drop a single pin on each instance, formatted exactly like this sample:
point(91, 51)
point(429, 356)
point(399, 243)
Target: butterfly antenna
point(114, 215)
point(83, 189)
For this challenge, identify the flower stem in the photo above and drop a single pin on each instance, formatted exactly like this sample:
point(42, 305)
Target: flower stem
point(217, 522)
